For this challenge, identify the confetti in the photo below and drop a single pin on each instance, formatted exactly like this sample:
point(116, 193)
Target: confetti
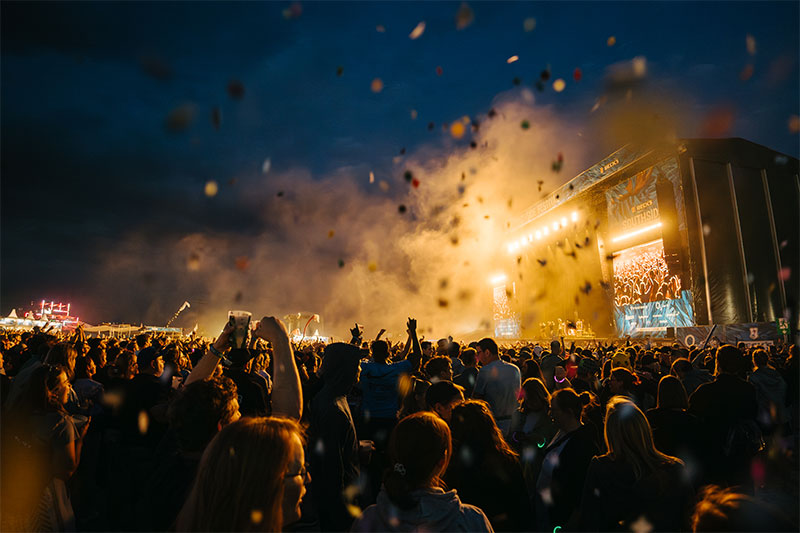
point(372, 266)
point(587, 287)
point(443, 303)
point(242, 263)
point(464, 16)
point(401, 209)
point(372, 177)
point(431, 125)
point(473, 144)
point(559, 85)
point(211, 188)
point(339, 70)
point(331, 233)
point(525, 124)
point(216, 118)
point(403, 151)
point(577, 74)
point(266, 165)
point(415, 183)
point(341, 263)
point(539, 86)
point(545, 74)
point(408, 176)
point(236, 89)
point(516, 81)
point(718, 122)
point(746, 73)
point(256, 516)
point(383, 186)
point(457, 130)
point(380, 28)
point(512, 59)
point(439, 71)
point(144, 422)
point(180, 118)
point(785, 273)
point(529, 24)
point(279, 194)
point(794, 123)
point(418, 31)
point(238, 297)
point(611, 41)
point(750, 42)
point(193, 262)
point(492, 113)
point(413, 114)
point(377, 85)
point(293, 11)
point(542, 262)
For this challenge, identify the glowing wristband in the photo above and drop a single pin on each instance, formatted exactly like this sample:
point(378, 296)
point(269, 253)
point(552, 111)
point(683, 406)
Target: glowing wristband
point(218, 354)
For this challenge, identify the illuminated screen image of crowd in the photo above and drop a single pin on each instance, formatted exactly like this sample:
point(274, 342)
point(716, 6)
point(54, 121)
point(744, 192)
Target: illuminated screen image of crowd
point(641, 275)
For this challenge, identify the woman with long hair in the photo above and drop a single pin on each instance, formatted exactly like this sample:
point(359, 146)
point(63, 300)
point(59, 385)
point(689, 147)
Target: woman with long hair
point(485, 471)
point(251, 477)
point(565, 460)
point(41, 451)
point(634, 481)
point(413, 496)
point(675, 429)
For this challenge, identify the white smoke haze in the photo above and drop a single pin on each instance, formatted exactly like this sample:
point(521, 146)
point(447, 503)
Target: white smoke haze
point(432, 262)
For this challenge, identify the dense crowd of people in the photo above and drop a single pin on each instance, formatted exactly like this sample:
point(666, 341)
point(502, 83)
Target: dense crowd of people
point(152, 433)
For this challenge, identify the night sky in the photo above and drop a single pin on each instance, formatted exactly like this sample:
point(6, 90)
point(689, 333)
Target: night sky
point(108, 139)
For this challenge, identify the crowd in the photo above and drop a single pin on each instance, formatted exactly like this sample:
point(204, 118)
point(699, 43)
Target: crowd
point(152, 433)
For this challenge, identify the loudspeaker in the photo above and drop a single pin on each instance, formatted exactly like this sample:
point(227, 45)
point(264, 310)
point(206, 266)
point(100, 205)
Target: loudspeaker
point(668, 214)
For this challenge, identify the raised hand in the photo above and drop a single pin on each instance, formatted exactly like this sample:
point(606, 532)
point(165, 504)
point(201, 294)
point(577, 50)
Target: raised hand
point(271, 329)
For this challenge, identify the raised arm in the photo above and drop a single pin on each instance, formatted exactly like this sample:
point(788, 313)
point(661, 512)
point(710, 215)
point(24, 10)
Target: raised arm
point(287, 395)
point(206, 365)
point(416, 349)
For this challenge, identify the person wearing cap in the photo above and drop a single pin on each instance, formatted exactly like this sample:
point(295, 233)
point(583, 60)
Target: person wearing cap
point(253, 395)
point(586, 377)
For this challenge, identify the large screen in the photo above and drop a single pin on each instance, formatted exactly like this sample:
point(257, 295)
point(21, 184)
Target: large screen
point(647, 298)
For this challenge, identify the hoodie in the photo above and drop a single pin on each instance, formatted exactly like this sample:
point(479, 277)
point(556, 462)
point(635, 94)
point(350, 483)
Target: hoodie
point(437, 510)
point(332, 443)
point(770, 390)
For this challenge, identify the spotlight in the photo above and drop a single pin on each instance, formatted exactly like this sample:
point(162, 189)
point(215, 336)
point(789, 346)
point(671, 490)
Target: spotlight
point(538, 234)
point(574, 216)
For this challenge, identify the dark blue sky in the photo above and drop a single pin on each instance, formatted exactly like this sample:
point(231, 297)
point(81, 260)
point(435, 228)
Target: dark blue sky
point(86, 159)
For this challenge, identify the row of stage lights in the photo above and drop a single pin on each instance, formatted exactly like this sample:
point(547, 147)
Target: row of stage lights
point(525, 240)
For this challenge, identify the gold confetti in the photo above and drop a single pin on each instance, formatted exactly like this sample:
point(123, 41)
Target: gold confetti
point(383, 186)
point(611, 41)
point(413, 114)
point(512, 59)
point(794, 123)
point(144, 422)
point(529, 24)
point(256, 516)
point(372, 177)
point(331, 233)
point(464, 16)
point(457, 130)
point(751, 44)
point(377, 85)
point(211, 188)
point(559, 85)
point(372, 266)
point(418, 31)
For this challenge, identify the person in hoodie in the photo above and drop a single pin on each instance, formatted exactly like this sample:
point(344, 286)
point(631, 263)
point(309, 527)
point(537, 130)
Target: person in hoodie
point(333, 444)
point(770, 393)
point(413, 496)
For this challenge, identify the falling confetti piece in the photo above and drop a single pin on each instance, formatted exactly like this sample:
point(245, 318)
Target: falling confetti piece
point(431, 125)
point(529, 24)
point(380, 28)
point(718, 122)
point(372, 266)
point(238, 297)
point(377, 85)
point(193, 262)
point(545, 74)
point(577, 74)
point(266, 165)
point(611, 41)
point(401, 209)
point(464, 16)
point(443, 303)
point(542, 262)
point(211, 188)
point(144, 422)
point(413, 114)
point(408, 175)
point(524, 124)
point(794, 123)
point(180, 118)
point(418, 31)
point(341, 263)
point(512, 59)
point(216, 118)
point(746, 73)
point(339, 70)
point(372, 177)
point(559, 85)
point(256, 516)
point(383, 186)
point(402, 151)
point(293, 11)
point(587, 287)
point(415, 183)
point(785, 273)
point(473, 145)
point(516, 81)
point(750, 41)
point(331, 233)
point(280, 194)
point(457, 130)
point(439, 71)
point(236, 89)
point(242, 263)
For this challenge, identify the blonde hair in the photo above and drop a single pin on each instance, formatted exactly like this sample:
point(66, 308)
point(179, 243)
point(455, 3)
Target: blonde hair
point(629, 438)
point(239, 483)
